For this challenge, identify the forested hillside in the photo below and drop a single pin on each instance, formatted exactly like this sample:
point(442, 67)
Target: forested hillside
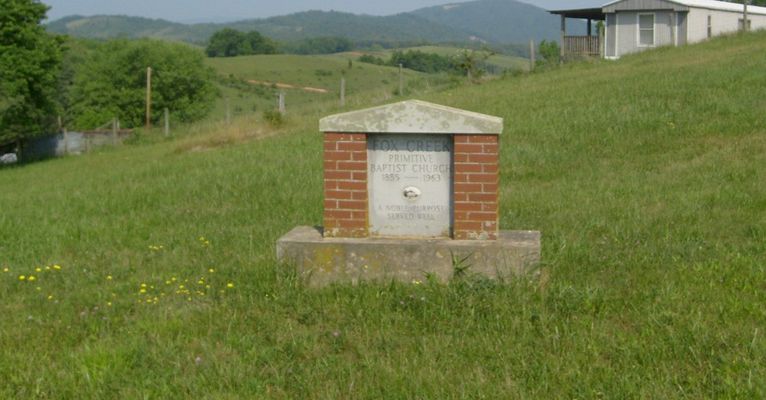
point(496, 21)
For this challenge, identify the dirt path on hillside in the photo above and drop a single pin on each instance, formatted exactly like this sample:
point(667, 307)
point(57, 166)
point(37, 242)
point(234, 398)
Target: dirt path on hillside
point(289, 86)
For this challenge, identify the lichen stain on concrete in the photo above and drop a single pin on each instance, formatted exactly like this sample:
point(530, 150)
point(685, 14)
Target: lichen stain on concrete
point(324, 258)
point(412, 116)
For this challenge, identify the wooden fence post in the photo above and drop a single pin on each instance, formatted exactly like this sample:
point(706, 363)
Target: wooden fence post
point(401, 80)
point(281, 103)
point(114, 131)
point(343, 91)
point(532, 61)
point(167, 122)
point(148, 98)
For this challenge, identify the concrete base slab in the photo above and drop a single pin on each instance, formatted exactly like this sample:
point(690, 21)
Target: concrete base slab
point(322, 261)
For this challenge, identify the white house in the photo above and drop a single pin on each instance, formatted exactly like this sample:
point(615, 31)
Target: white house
point(634, 25)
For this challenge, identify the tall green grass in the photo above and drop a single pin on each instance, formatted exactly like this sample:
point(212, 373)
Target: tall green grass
point(646, 177)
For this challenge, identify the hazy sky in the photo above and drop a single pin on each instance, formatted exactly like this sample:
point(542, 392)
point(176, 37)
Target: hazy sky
point(222, 10)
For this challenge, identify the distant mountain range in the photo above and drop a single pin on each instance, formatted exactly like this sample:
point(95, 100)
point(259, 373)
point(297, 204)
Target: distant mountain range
point(492, 21)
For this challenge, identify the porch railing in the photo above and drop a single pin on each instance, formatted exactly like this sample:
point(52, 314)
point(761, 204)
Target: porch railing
point(582, 46)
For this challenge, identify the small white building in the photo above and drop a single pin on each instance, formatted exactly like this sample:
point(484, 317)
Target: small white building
point(631, 26)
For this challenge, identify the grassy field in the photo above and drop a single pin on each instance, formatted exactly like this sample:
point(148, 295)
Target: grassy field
point(157, 275)
point(312, 80)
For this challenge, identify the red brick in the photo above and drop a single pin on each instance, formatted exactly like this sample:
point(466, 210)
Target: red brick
point(351, 223)
point(352, 166)
point(482, 138)
point(468, 167)
point(461, 178)
point(469, 148)
point(330, 204)
point(483, 158)
point(333, 175)
point(480, 216)
point(352, 146)
point(330, 165)
point(337, 156)
point(482, 178)
point(482, 197)
point(488, 188)
point(338, 195)
point(330, 145)
point(359, 215)
point(461, 138)
point(460, 157)
point(352, 185)
point(359, 156)
point(352, 205)
point(467, 187)
point(359, 176)
point(460, 196)
point(490, 168)
point(468, 225)
point(333, 137)
point(489, 148)
point(462, 207)
point(358, 137)
point(359, 196)
point(489, 207)
point(337, 214)
point(330, 184)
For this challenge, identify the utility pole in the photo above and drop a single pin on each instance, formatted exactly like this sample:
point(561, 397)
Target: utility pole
point(745, 26)
point(148, 98)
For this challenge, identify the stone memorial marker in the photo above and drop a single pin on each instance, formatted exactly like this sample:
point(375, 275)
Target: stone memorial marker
point(409, 188)
point(410, 185)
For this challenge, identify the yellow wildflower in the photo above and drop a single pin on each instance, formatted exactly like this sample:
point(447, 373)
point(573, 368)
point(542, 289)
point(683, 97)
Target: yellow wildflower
point(38, 269)
point(143, 285)
point(50, 297)
point(57, 267)
point(22, 278)
point(38, 288)
point(200, 282)
point(109, 303)
point(211, 270)
point(47, 268)
point(142, 291)
point(230, 285)
point(31, 278)
point(109, 277)
point(6, 269)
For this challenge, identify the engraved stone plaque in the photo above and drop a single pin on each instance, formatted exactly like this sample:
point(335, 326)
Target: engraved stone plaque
point(410, 181)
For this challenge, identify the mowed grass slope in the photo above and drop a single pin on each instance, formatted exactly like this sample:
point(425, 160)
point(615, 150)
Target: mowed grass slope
point(645, 175)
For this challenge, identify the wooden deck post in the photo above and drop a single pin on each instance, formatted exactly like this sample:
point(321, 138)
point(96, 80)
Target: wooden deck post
point(563, 33)
point(590, 28)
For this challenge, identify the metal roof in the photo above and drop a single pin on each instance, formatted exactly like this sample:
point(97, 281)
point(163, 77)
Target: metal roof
point(711, 5)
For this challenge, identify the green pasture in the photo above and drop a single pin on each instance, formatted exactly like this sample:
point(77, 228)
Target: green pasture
point(365, 83)
point(158, 280)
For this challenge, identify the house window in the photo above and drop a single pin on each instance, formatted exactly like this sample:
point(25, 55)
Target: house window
point(646, 29)
point(710, 26)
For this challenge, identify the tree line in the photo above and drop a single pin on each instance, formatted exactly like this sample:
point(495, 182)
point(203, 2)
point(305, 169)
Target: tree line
point(87, 83)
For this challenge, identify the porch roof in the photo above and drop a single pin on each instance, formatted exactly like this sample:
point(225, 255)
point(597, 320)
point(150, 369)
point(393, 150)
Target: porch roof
point(582, 13)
